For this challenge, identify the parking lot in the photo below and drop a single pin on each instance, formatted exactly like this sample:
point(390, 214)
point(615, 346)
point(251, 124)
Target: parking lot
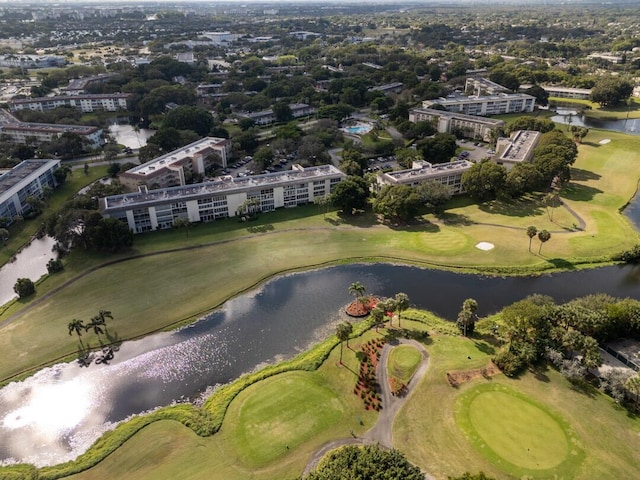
point(477, 150)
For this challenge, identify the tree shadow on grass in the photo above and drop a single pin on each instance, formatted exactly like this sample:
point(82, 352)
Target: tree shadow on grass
point(561, 263)
point(485, 348)
point(526, 207)
point(583, 387)
point(418, 224)
point(455, 219)
point(334, 221)
point(261, 228)
point(580, 175)
point(360, 219)
point(579, 193)
point(540, 373)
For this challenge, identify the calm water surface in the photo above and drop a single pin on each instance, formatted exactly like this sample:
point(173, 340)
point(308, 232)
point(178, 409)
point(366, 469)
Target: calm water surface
point(56, 414)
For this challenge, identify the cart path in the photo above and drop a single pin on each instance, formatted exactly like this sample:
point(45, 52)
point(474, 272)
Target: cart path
point(381, 432)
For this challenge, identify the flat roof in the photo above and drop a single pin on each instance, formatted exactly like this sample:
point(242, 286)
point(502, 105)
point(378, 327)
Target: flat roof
point(21, 171)
point(429, 170)
point(521, 144)
point(480, 99)
point(459, 116)
point(177, 155)
point(223, 185)
point(64, 98)
point(49, 127)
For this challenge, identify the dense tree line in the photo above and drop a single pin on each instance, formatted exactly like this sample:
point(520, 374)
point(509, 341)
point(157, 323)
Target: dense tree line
point(568, 335)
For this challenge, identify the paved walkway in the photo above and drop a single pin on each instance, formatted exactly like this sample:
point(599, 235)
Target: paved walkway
point(381, 432)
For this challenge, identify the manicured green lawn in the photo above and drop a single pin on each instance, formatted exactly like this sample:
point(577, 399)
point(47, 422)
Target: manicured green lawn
point(519, 436)
point(403, 361)
point(430, 433)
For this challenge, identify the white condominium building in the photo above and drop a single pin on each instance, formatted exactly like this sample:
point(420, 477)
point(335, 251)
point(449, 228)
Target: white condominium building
point(174, 168)
point(518, 148)
point(449, 174)
point(22, 181)
point(148, 210)
point(85, 103)
point(470, 126)
point(487, 105)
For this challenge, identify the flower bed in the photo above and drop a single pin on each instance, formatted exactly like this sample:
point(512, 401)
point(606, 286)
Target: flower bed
point(367, 387)
point(361, 307)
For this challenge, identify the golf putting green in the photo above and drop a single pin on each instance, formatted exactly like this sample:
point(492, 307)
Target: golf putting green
point(515, 432)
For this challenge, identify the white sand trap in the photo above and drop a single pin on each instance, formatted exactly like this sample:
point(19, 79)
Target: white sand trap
point(604, 141)
point(485, 246)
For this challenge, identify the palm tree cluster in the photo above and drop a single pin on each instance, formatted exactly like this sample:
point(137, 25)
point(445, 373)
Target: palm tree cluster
point(98, 324)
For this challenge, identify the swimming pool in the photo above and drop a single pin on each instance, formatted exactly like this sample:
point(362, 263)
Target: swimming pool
point(359, 129)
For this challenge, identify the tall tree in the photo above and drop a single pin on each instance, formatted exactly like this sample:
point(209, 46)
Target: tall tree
point(543, 236)
point(351, 194)
point(343, 332)
point(377, 317)
point(466, 321)
point(76, 326)
point(357, 289)
point(401, 301)
point(531, 232)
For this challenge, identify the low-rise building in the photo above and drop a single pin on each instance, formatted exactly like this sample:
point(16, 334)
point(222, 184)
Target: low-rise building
point(449, 174)
point(148, 210)
point(480, 86)
point(518, 148)
point(22, 181)
point(486, 105)
point(175, 168)
point(32, 61)
point(266, 117)
point(78, 86)
point(566, 92)
point(395, 87)
point(85, 103)
point(23, 132)
point(471, 126)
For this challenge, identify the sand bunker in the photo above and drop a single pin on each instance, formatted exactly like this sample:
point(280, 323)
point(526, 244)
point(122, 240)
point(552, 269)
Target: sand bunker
point(604, 141)
point(485, 246)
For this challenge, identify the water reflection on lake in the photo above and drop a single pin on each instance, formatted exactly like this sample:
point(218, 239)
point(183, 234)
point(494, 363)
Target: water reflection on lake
point(30, 263)
point(572, 117)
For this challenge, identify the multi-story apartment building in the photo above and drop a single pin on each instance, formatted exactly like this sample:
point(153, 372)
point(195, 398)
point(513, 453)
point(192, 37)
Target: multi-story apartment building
point(518, 148)
point(22, 181)
point(566, 92)
point(486, 105)
point(175, 168)
point(266, 117)
point(470, 126)
point(23, 132)
point(148, 210)
point(479, 86)
point(449, 174)
point(85, 103)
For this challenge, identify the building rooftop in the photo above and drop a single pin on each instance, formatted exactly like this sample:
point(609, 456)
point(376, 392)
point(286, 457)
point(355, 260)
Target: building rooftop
point(460, 116)
point(521, 144)
point(427, 170)
point(223, 185)
point(177, 156)
point(474, 98)
point(12, 177)
point(49, 127)
point(65, 98)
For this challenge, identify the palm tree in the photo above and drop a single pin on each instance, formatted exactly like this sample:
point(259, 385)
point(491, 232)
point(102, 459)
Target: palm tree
point(77, 326)
point(531, 232)
point(543, 236)
point(401, 301)
point(104, 314)
point(357, 289)
point(467, 317)
point(388, 306)
point(96, 324)
point(377, 316)
point(343, 332)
